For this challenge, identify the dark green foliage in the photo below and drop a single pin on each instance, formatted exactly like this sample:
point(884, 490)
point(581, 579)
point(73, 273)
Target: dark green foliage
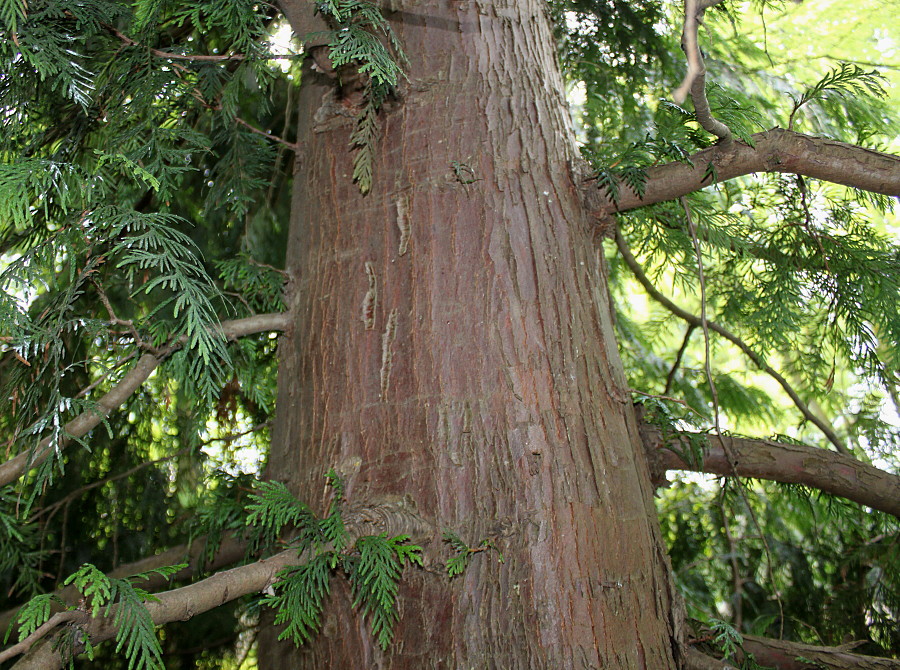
point(356, 40)
point(109, 154)
point(374, 571)
point(135, 631)
point(373, 565)
point(299, 596)
point(830, 578)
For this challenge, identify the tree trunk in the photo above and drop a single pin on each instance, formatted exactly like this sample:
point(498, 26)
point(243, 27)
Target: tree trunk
point(454, 347)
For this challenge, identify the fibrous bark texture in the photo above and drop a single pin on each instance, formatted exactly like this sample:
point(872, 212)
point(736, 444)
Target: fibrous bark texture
point(454, 348)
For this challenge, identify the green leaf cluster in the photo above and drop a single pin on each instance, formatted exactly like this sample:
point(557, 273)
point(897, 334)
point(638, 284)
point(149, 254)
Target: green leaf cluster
point(373, 564)
point(356, 40)
point(135, 631)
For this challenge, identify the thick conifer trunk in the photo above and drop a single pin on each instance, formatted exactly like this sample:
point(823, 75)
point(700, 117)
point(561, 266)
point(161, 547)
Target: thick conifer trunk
point(480, 378)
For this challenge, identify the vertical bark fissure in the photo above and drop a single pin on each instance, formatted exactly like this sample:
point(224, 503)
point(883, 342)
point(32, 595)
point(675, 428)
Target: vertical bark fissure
point(504, 414)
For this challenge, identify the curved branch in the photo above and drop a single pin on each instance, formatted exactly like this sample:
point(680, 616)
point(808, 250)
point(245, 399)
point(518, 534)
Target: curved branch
point(188, 601)
point(81, 425)
point(695, 79)
point(776, 150)
point(826, 471)
point(695, 320)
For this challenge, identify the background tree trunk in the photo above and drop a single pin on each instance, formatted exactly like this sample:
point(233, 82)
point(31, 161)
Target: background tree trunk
point(483, 384)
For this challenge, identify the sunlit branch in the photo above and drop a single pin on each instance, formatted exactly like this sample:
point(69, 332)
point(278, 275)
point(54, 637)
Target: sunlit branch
point(775, 151)
point(642, 278)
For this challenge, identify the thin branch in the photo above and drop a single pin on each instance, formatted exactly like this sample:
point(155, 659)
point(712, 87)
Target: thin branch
point(785, 655)
point(102, 378)
point(81, 425)
point(230, 550)
point(670, 378)
point(642, 278)
point(173, 56)
point(835, 474)
point(737, 580)
point(274, 138)
point(77, 493)
point(707, 366)
point(21, 647)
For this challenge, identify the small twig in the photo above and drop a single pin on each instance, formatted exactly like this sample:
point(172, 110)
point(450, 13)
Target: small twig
point(119, 363)
point(667, 397)
point(737, 582)
point(51, 509)
point(274, 138)
point(127, 323)
point(284, 273)
point(807, 219)
point(276, 168)
point(173, 56)
point(726, 448)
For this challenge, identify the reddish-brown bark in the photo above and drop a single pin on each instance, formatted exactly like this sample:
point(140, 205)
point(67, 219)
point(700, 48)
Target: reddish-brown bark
point(488, 390)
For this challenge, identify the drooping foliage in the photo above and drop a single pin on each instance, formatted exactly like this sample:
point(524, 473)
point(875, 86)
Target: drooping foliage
point(146, 152)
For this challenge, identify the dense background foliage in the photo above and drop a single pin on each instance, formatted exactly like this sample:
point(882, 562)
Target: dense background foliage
point(144, 192)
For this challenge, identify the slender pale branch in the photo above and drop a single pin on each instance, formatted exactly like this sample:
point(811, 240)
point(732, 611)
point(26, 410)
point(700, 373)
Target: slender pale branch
point(174, 56)
point(775, 150)
point(274, 138)
point(826, 471)
point(39, 633)
point(690, 318)
point(81, 425)
point(188, 601)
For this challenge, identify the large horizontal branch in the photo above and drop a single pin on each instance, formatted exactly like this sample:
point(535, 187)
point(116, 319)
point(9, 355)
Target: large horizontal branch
point(784, 655)
point(826, 471)
point(776, 150)
point(223, 587)
point(81, 425)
